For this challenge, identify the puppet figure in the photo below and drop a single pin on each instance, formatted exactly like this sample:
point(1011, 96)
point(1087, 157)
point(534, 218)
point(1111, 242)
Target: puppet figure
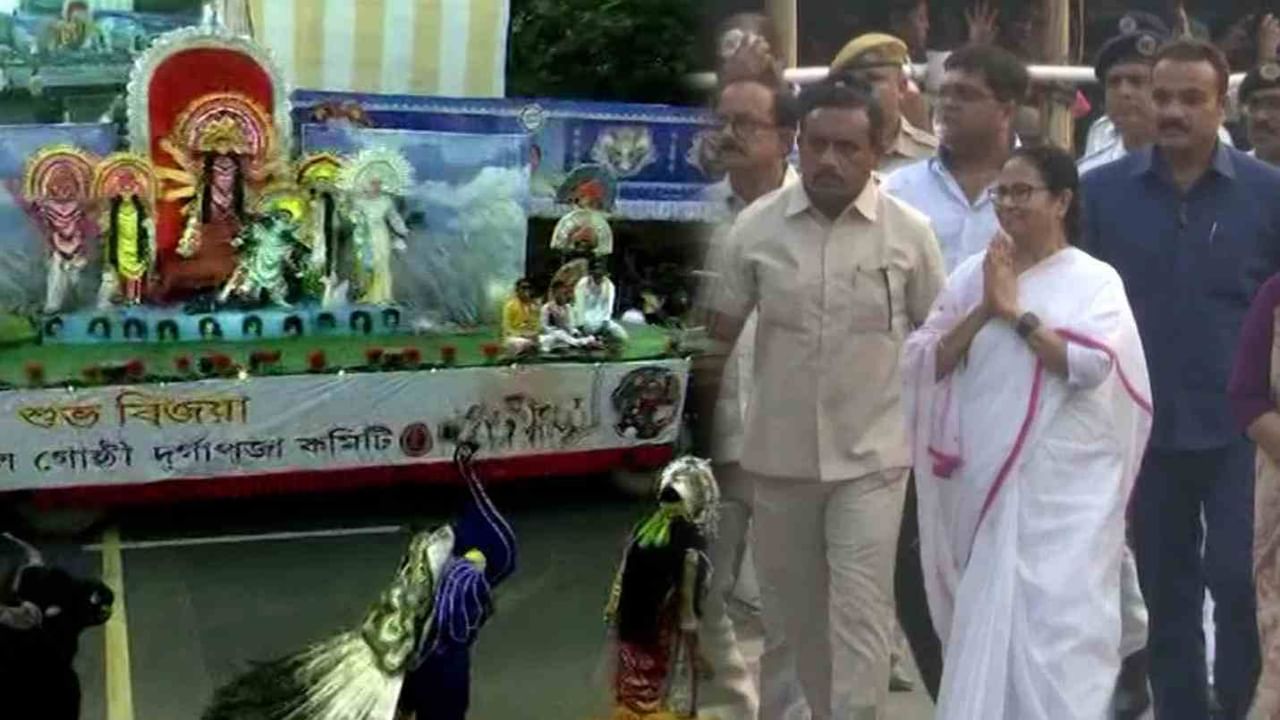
point(655, 602)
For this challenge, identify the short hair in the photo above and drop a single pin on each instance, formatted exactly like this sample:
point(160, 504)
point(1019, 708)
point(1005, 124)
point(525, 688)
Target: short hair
point(785, 112)
point(1195, 51)
point(752, 22)
point(846, 94)
point(1057, 169)
point(1003, 72)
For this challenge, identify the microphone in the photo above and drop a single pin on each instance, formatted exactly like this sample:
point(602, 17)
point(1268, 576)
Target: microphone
point(1182, 216)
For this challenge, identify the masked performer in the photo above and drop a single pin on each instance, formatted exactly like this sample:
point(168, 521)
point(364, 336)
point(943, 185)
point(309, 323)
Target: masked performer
point(412, 653)
point(584, 233)
point(56, 194)
point(372, 181)
point(270, 250)
point(318, 176)
point(124, 187)
point(656, 598)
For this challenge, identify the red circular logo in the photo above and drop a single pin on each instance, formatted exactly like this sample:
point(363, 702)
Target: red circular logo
point(415, 440)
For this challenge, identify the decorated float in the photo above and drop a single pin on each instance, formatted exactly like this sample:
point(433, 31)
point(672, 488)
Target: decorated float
point(239, 301)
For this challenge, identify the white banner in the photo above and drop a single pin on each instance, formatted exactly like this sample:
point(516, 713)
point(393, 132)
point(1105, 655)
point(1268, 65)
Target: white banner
point(144, 433)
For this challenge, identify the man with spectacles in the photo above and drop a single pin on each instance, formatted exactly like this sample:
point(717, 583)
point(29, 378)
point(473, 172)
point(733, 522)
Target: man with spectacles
point(1192, 226)
point(879, 60)
point(839, 273)
point(1260, 98)
point(981, 90)
point(757, 131)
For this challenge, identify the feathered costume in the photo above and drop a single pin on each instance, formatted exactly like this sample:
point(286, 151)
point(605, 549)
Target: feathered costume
point(412, 652)
point(656, 598)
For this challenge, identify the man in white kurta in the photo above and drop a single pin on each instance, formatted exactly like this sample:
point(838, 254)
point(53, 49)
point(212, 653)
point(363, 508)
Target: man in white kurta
point(838, 272)
point(593, 301)
point(1023, 478)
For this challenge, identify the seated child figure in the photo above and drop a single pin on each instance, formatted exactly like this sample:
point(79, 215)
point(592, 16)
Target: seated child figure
point(520, 327)
point(558, 330)
point(593, 301)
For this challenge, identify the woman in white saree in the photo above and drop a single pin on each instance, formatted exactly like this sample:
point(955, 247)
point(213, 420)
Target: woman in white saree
point(1028, 399)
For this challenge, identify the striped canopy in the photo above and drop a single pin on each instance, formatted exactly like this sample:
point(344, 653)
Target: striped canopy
point(451, 48)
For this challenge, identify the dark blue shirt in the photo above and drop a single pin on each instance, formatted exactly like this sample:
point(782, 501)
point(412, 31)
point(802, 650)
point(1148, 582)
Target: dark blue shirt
point(1191, 265)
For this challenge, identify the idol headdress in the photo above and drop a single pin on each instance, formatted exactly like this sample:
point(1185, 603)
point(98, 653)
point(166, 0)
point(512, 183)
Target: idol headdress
point(414, 641)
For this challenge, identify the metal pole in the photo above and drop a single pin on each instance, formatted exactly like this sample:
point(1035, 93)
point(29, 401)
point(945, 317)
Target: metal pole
point(783, 13)
point(1057, 44)
point(1070, 74)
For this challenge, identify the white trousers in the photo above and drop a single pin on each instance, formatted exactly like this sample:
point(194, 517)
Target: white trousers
point(825, 552)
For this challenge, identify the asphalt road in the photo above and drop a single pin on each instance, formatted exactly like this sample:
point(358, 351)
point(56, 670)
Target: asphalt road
point(210, 587)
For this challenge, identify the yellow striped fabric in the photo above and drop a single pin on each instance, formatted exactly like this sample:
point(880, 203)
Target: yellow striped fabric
point(453, 48)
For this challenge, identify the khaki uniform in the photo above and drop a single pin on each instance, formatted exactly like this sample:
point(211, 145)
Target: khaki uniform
point(912, 144)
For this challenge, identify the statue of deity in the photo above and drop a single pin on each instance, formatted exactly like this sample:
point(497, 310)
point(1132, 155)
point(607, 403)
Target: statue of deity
point(56, 194)
point(272, 250)
point(224, 152)
point(124, 188)
point(372, 181)
point(318, 175)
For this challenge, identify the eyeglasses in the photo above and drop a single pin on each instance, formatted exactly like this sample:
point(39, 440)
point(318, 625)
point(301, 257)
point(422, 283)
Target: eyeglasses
point(1016, 194)
point(743, 126)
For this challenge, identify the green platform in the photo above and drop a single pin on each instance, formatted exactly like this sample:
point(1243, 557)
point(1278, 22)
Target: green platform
point(63, 364)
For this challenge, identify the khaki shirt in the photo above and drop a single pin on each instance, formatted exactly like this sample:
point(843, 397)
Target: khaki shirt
point(912, 144)
point(729, 423)
point(835, 303)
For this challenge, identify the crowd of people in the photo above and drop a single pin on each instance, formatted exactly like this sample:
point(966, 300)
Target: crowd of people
point(1015, 405)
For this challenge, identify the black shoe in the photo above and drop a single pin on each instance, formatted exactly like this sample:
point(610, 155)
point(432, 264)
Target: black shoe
point(1133, 696)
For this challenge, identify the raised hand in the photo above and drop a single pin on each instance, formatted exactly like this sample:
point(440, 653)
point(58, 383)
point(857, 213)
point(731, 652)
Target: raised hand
point(982, 20)
point(1268, 39)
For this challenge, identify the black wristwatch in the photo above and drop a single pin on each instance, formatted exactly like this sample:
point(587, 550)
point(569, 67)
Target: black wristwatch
point(1027, 324)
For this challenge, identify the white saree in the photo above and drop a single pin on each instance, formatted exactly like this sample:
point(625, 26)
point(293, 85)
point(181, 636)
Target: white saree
point(1023, 478)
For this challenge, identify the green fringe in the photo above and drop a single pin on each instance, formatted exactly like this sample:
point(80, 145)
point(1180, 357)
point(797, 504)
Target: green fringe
point(656, 531)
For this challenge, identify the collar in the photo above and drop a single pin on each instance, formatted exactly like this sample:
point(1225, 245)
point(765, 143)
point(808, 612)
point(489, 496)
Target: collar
point(906, 133)
point(1150, 160)
point(866, 203)
point(722, 192)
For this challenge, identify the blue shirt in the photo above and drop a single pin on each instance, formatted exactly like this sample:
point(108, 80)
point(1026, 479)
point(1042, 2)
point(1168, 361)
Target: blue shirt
point(962, 228)
point(1191, 265)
